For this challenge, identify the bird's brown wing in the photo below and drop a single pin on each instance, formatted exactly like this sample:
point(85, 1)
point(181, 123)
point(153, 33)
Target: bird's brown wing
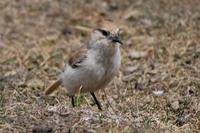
point(77, 58)
point(75, 62)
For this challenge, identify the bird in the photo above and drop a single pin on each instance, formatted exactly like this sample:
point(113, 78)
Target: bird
point(91, 67)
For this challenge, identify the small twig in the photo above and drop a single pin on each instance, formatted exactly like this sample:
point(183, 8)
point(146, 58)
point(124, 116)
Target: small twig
point(78, 96)
point(109, 102)
point(82, 28)
point(87, 102)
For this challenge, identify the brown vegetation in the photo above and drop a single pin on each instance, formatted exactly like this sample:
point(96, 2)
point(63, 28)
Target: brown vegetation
point(157, 90)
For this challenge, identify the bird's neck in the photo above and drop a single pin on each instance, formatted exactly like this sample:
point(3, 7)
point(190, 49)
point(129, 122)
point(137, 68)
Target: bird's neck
point(106, 56)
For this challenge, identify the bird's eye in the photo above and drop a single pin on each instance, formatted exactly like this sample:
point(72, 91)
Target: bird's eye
point(104, 32)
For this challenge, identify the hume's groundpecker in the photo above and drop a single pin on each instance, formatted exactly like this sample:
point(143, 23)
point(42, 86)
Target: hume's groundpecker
point(92, 67)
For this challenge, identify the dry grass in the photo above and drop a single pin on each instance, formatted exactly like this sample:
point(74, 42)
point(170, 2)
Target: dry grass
point(159, 84)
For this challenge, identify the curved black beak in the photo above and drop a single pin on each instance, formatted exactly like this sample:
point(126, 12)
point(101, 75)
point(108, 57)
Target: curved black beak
point(117, 39)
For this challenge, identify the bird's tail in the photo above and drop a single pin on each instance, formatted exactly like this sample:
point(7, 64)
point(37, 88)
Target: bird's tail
point(53, 87)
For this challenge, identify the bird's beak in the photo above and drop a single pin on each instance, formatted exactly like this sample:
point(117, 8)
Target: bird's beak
point(117, 39)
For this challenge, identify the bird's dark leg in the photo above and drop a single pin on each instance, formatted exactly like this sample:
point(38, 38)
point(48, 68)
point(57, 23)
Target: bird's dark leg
point(72, 98)
point(96, 101)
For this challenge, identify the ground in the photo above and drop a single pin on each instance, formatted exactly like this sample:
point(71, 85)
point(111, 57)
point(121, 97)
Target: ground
point(157, 89)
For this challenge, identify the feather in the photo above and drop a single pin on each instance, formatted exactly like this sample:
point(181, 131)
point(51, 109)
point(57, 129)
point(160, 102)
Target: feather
point(53, 87)
point(76, 59)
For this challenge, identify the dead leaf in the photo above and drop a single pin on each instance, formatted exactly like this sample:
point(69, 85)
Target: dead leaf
point(10, 73)
point(128, 77)
point(137, 54)
point(133, 14)
point(158, 92)
point(175, 105)
point(198, 125)
point(61, 110)
point(131, 69)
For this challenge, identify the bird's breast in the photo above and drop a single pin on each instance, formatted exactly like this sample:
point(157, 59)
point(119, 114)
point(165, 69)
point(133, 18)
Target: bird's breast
point(106, 64)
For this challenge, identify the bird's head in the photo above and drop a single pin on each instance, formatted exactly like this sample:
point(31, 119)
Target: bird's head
point(104, 38)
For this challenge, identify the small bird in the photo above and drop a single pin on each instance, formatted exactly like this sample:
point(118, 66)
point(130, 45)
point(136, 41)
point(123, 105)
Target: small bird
point(92, 67)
